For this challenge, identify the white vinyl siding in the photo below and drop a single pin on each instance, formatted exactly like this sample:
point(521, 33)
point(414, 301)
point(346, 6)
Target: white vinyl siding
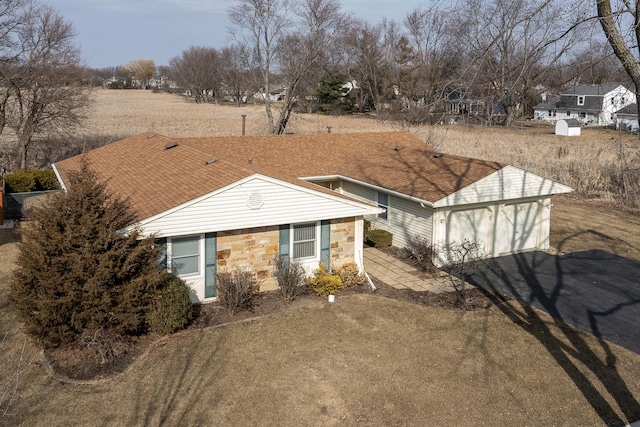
point(305, 240)
point(508, 183)
point(185, 255)
point(407, 219)
point(283, 203)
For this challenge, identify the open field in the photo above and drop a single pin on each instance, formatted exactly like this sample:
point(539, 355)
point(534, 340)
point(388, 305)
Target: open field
point(364, 360)
point(599, 164)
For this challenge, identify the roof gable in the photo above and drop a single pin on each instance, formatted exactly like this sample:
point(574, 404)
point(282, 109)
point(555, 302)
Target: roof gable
point(506, 184)
point(153, 177)
point(255, 201)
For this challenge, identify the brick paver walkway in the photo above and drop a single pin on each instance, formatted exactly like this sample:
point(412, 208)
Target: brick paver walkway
point(400, 275)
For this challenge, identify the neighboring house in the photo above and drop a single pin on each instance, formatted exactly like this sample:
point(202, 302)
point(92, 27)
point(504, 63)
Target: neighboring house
point(227, 202)
point(463, 103)
point(627, 118)
point(568, 127)
point(589, 104)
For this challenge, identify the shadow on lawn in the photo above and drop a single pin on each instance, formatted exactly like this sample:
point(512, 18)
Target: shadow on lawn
point(175, 395)
point(528, 283)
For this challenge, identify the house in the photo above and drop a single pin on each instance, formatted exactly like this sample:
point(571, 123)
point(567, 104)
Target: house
point(627, 118)
point(589, 104)
point(568, 127)
point(227, 202)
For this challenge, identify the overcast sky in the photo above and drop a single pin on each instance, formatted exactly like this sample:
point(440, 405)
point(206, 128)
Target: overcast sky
point(114, 32)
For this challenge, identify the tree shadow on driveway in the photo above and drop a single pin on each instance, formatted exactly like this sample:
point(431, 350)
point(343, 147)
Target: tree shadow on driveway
point(593, 290)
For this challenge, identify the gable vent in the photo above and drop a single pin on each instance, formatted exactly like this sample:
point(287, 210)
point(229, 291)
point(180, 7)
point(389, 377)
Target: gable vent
point(210, 161)
point(255, 200)
point(170, 145)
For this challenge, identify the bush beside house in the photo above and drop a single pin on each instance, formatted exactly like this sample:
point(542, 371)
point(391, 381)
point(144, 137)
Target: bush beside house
point(77, 275)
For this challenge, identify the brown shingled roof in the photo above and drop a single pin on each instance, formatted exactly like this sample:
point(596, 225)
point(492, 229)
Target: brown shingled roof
point(397, 161)
point(156, 179)
point(152, 178)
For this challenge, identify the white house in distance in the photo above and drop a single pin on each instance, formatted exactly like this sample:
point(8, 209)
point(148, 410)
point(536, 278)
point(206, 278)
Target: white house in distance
point(589, 104)
point(227, 202)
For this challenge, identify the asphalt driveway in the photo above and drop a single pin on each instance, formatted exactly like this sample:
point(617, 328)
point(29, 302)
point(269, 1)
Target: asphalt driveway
point(593, 290)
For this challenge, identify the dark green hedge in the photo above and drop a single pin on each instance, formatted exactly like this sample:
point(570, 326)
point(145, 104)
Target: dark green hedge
point(24, 181)
point(379, 238)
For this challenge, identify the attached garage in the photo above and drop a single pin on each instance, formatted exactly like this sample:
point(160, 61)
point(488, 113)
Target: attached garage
point(506, 212)
point(500, 228)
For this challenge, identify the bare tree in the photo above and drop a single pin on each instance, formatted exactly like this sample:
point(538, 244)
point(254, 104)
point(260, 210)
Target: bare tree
point(195, 70)
point(436, 59)
point(622, 29)
point(367, 64)
point(236, 73)
point(514, 44)
point(463, 258)
point(41, 82)
point(289, 38)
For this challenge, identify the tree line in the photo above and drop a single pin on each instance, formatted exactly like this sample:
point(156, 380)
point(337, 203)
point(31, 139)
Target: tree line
point(503, 54)
point(311, 55)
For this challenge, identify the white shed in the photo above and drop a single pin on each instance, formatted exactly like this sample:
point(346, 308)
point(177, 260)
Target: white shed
point(568, 127)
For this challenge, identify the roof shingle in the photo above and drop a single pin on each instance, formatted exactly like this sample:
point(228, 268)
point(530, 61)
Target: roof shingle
point(155, 179)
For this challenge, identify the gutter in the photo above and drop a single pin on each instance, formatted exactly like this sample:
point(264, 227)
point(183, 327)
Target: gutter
point(423, 203)
point(58, 177)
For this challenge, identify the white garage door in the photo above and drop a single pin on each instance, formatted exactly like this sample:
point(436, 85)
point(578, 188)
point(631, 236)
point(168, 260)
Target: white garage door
point(472, 225)
point(518, 227)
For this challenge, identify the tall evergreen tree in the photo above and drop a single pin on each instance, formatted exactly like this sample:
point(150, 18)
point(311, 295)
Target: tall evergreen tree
point(77, 272)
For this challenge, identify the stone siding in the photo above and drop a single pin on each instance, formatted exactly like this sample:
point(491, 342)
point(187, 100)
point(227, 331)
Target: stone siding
point(255, 248)
point(343, 236)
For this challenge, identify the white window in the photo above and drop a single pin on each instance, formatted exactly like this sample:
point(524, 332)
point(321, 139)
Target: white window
point(581, 100)
point(305, 240)
point(383, 202)
point(185, 255)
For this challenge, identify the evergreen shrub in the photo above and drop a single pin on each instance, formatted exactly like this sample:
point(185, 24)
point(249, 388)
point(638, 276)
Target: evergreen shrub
point(323, 282)
point(379, 238)
point(77, 272)
point(171, 309)
point(24, 181)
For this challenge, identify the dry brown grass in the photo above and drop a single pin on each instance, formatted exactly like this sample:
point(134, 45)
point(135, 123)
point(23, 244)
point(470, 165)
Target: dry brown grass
point(364, 360)
point(127, 112)
point(592, 164)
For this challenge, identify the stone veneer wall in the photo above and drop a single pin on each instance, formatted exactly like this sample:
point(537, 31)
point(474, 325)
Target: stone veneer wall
point(343, 236)
point(257, 249)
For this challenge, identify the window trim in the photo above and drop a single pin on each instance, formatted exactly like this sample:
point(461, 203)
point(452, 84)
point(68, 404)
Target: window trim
point(317, 245)
point(384, 216)
point(200, 253)
point(580, 99)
